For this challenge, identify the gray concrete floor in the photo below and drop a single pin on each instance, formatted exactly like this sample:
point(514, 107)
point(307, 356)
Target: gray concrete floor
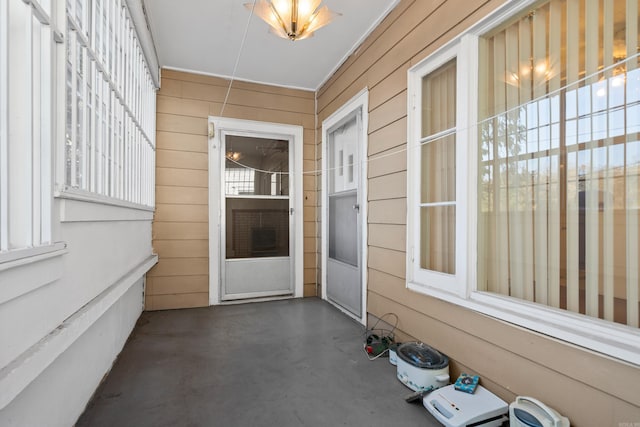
point(282, 363)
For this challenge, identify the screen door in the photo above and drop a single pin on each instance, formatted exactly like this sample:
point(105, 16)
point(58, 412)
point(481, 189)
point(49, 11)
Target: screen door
point(257, 218)
point(344, 286)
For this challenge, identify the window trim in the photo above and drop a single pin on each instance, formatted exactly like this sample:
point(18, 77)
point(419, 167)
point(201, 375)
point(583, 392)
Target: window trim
point(451, 283)
point(36, 154)
point(17, 257)
point(611, 339)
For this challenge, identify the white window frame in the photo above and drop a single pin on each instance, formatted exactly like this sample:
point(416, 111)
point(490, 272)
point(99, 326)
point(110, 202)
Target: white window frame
point(34, 183)
point(118, 165)
point(33, 259)
point(615, 340)
point(437, 282)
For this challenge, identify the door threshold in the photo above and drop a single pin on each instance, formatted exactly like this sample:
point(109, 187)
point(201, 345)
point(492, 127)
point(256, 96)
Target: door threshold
point(260, 299)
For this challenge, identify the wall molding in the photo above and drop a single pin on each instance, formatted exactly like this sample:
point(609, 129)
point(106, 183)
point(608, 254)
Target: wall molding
point(41, 266)
point(87, 208)
point(18, 374)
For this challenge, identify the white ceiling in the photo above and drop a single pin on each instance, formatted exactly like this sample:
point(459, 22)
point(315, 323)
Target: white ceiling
point(205, 36)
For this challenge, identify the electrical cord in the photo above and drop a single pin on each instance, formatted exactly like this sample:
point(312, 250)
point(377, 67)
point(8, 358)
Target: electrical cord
point(383, 354)
point(235, 67)
point(383, 336)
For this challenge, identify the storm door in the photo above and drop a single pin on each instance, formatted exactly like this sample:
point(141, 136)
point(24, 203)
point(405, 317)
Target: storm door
point(257, 218)
point(343, 216)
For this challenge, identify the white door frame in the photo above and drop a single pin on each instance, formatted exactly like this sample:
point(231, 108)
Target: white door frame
point(358, 102)
point(218, 126)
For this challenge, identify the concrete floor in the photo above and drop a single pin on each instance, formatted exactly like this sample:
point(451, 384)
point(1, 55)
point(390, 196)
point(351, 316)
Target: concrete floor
point(282, 363)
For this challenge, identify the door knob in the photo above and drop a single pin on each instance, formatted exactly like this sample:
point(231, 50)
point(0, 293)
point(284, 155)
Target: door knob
point(356, 207)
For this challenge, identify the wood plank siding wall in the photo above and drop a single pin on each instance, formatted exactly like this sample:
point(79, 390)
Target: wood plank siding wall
point(590, 389)
point(180, 227)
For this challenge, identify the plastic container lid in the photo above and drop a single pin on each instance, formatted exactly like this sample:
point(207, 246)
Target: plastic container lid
point(422, 356)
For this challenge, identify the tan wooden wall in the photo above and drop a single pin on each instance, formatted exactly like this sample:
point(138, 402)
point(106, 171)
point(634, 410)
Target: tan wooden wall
point(180, 227)
point(590, 389)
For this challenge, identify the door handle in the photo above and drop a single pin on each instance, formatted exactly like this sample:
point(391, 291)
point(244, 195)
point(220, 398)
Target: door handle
point(356, 207)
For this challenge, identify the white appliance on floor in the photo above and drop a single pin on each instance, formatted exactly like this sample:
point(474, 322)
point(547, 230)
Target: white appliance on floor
point(455, 408)
point(527, 411)
point(421, 367)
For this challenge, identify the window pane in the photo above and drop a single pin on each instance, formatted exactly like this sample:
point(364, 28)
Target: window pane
point(558, 177)
point(439, 170)
point(257, 228)
point(438, 226)
point(439, 100)
point(343, 228)
point(343, 174)
point(256, 166)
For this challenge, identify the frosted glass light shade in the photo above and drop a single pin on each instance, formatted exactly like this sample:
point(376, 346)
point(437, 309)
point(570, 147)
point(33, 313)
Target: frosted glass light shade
point(293, 19)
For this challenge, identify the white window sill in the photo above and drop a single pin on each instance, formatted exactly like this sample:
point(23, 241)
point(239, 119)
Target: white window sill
point(25, 270)
point(618, 341)
point(81, 206)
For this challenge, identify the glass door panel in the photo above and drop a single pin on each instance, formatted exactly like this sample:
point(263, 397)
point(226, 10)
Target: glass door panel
point(257, 228)
point(343, 228)
point(256, 166)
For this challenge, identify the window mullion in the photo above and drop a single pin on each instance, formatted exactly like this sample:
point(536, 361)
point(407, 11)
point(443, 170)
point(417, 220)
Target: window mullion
point(438, 135)
point(46, 131)
point(555, 185)
point(120, 171)
point(20, 203)
point(467, 165)
point(536, 237)
point(435, 204)
point(592, 257)
point(128, 139)
point(84, 146)
point(73, 47)
point(4, 122)
point(101, 143)
point(138, 166)
point(36, 125)
point(633, 183)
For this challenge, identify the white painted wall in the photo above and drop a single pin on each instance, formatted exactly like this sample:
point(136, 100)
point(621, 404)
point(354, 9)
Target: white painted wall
point(58, 396)
point(59, 339)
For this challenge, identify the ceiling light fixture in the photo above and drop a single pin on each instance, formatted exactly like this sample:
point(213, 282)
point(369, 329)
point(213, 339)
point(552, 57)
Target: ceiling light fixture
point(293, 19)
point(233, 155)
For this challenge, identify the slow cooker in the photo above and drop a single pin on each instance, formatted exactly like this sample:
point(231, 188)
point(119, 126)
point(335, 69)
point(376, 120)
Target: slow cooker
point(421, 367)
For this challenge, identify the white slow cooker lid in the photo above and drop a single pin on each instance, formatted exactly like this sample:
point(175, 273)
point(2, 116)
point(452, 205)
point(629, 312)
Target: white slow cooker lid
point(422, 356)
